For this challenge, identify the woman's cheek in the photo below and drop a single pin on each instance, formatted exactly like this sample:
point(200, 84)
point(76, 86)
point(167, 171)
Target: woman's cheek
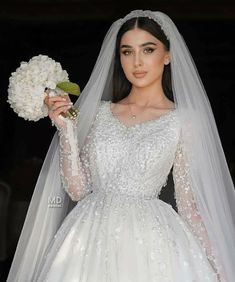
point(126, 69)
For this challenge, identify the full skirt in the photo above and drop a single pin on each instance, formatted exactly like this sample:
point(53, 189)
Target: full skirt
point(113, 238)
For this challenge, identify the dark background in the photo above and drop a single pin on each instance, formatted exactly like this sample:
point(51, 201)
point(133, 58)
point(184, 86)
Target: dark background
point(71, 32)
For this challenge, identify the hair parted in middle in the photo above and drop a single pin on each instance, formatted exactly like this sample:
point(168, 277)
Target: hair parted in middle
point(121, 86)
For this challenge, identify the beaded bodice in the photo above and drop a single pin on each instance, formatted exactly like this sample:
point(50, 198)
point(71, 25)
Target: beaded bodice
point(133, 160)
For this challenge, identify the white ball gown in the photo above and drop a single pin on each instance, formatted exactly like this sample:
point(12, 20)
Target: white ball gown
point(119, 230)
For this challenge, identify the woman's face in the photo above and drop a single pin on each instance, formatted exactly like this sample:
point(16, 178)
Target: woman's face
point(142, 57)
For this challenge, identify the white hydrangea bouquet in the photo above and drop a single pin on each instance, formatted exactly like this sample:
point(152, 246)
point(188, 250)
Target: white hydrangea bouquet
point(32, 81)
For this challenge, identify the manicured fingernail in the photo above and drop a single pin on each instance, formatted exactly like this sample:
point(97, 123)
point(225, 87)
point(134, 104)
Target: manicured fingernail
point(70, 103)
point(64, 99)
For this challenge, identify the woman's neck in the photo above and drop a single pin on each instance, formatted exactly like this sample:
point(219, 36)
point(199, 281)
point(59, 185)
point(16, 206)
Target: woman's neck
point(147, 96)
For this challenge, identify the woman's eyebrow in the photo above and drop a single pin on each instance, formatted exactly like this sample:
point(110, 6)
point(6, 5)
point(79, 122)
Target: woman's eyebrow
point(141, 45)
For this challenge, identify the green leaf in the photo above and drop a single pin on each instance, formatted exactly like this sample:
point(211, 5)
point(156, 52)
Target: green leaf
point(69, 87)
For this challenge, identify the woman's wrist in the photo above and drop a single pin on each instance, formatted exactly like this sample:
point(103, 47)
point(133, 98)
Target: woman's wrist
point(59, 125)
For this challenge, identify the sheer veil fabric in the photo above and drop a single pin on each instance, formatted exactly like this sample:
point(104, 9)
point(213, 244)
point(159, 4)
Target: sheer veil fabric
point(211, 181)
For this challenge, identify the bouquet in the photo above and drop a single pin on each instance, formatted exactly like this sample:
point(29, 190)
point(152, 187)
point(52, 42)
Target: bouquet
point(32, 81)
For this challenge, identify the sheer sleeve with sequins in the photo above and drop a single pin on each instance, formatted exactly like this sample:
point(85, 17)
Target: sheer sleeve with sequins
point(74, 165)
point(186, 203)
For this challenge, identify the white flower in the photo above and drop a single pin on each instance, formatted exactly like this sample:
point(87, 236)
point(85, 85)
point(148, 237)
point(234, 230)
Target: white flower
point(27, 85)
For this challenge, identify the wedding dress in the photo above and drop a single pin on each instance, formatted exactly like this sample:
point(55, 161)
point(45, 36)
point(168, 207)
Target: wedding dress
point(119, 230)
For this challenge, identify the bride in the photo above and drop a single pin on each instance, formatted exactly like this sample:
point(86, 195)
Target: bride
point(143, 111)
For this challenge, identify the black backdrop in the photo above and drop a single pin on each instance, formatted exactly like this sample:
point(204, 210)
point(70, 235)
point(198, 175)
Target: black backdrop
point(75, 43)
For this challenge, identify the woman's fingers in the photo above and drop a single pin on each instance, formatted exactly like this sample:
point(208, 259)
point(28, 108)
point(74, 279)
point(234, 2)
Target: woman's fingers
point(60, 110)
point(50, 101)
point(55, 102)
point(57, 105)
point(57, 98)
point(53, 114)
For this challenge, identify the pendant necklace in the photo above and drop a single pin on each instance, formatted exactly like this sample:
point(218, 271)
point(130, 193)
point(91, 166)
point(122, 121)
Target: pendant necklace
point(133, 116)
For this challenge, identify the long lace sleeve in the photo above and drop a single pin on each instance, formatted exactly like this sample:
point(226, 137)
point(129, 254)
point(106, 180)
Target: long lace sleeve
point(74, 169)
point(186, 203)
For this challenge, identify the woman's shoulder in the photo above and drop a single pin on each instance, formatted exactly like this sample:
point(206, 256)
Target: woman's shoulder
point(104, 103)
point(102, 108)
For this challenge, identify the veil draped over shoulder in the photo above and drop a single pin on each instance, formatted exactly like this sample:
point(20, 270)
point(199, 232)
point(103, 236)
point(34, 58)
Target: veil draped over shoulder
point(211, 181)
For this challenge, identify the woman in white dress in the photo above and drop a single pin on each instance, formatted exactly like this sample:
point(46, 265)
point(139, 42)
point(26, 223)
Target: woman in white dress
point(119, 229)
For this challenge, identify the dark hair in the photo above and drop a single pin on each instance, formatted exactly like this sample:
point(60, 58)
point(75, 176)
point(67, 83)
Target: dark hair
point(121, 86)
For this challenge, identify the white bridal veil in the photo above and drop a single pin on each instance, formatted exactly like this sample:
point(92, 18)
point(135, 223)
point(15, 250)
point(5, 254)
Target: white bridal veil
point(211, 182)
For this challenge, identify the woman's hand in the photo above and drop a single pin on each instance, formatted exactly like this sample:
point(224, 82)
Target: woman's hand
point(57, 106)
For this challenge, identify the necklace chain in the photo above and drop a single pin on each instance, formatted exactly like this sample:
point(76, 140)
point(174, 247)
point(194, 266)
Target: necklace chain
point(133, 116)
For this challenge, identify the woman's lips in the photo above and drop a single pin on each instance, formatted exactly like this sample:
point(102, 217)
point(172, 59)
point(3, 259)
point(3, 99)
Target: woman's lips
point(139, 74)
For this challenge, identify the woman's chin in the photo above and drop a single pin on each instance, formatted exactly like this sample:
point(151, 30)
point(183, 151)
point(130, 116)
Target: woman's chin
point(141, 84)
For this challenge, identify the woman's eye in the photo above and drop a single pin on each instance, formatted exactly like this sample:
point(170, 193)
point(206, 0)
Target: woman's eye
point(126, 52)
point(148, 50)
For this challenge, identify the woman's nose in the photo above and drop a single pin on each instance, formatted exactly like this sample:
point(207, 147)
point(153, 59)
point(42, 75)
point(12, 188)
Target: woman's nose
point(137, 60)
